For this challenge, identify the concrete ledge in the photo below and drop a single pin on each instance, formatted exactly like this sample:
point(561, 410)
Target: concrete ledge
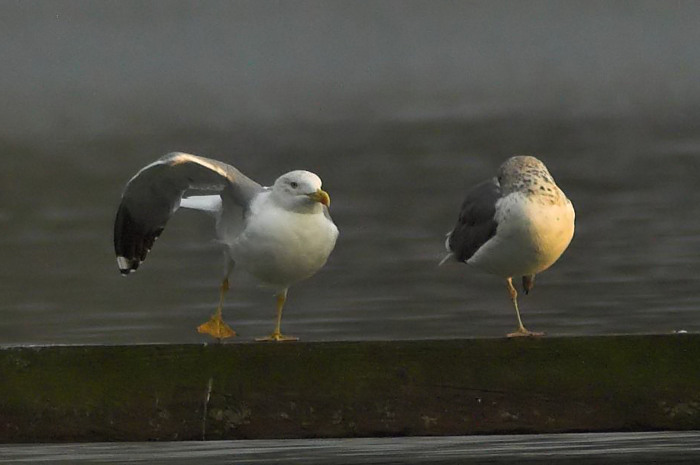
point(345, 389)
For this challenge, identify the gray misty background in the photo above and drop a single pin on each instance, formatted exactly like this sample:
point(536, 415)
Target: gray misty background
point(399, 107)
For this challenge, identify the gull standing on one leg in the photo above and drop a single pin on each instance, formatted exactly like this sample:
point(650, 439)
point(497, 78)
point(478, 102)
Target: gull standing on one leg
point(517, 224)
point(281, 234)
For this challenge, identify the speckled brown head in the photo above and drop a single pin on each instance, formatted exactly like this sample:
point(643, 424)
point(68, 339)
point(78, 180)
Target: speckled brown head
point(525, 174)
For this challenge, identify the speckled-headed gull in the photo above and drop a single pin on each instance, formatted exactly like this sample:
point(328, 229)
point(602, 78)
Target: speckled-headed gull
point(516, 224)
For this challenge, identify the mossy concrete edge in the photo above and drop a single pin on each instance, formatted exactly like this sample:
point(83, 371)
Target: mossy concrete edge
point(349, 389)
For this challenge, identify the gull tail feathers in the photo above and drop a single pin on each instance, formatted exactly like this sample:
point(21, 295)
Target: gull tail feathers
point(207, 203)
point(447, 257)
point(447, 247)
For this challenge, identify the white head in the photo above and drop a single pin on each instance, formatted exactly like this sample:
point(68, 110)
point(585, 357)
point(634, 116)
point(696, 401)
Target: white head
point(300, 190)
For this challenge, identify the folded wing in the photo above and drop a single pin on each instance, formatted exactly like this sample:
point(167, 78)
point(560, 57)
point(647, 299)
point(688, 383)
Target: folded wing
point(152, 196)
point(476, 223)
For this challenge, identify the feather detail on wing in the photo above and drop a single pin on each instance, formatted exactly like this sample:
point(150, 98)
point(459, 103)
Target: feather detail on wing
point(476, 223)
point(152, 196)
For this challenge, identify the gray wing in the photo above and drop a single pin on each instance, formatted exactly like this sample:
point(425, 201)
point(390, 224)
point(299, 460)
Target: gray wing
point(476, 223)
point(152, 196)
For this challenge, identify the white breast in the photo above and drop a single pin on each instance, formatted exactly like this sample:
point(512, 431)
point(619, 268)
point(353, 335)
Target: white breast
point(532, 234)
point(281, 247)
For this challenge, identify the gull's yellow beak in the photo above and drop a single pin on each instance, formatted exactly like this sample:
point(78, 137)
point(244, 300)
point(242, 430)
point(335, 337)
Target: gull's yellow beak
point(322, 197)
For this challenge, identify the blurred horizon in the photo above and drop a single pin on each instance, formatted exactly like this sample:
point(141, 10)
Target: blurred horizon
point(95, 68)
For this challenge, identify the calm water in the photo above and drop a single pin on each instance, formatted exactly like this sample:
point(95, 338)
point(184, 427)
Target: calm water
point(400, 107)
point(603, 449)
point(632, 266)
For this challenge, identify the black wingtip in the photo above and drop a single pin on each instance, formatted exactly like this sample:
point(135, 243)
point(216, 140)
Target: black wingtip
point(132, 240)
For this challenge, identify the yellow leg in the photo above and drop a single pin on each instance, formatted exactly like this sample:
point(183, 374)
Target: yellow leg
point(277, 335)
point(521, 331)
point(216, 327)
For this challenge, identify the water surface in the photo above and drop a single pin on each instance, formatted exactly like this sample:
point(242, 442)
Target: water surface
point(604, 449)
point(400, 107)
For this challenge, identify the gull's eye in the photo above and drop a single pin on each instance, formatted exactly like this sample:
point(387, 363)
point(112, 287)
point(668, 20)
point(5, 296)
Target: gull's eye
point(294, 184)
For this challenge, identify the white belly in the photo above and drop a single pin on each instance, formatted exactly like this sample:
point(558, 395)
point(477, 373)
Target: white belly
point(280, 247)
point(530, 237)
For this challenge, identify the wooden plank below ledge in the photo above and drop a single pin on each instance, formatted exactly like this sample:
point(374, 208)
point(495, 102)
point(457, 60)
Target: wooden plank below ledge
point(349, 389)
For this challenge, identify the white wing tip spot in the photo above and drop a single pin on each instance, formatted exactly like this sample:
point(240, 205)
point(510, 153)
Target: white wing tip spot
point(125, 265)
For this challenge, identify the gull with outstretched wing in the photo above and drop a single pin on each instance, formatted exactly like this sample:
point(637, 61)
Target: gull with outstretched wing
point(281, 234)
